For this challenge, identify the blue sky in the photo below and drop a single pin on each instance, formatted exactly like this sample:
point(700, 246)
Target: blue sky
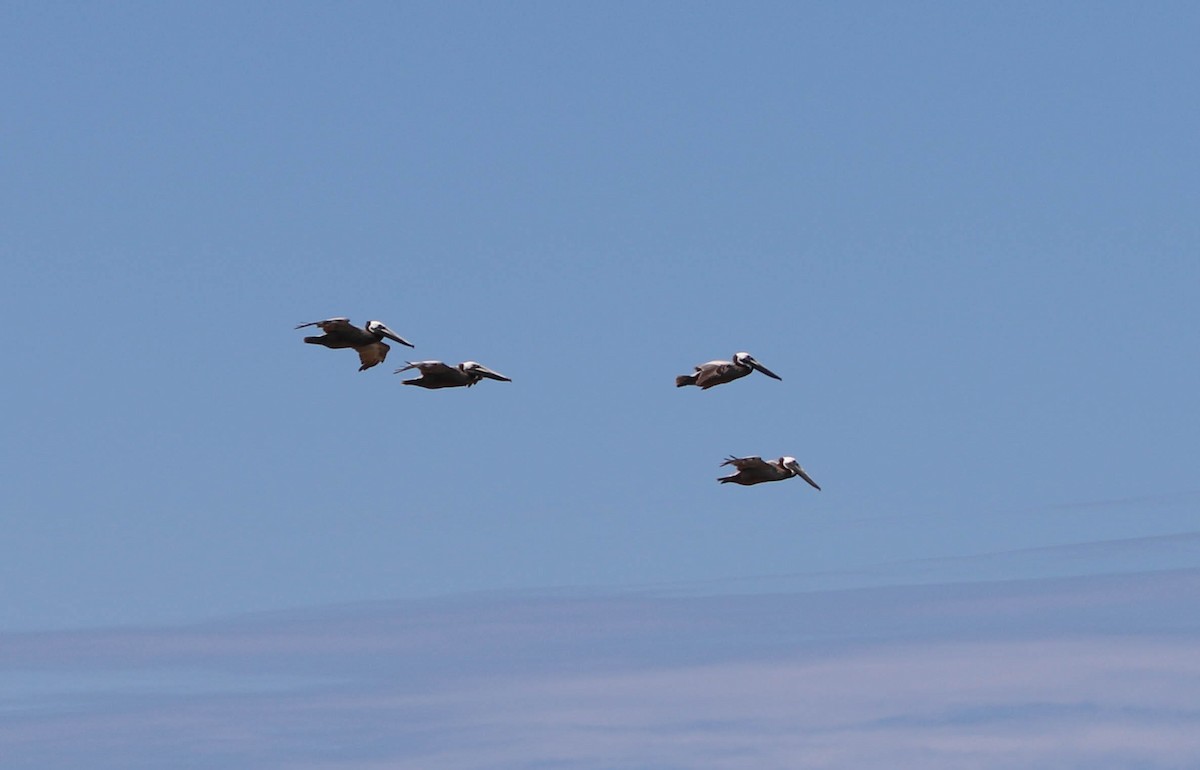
point(964, 235)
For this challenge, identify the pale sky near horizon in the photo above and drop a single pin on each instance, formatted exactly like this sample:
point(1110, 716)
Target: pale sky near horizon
point(964, 235)
point(1086, 673)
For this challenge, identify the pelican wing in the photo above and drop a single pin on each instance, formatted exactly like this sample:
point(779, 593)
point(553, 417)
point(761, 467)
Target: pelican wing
point(750, 464)
point(713, 366)
point(752, 470)
point(372, 354)
point(330, 325)
point(429, 368)
point(435, 374)
point(714, 373)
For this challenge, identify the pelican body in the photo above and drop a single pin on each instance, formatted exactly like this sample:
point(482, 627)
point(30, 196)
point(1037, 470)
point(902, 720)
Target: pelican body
point(716, 373)
point(435, 374)
point(755, 470)
point(340, 333)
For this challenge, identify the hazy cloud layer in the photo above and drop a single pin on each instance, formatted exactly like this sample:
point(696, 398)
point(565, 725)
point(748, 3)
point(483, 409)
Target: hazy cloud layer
point(1089, 672)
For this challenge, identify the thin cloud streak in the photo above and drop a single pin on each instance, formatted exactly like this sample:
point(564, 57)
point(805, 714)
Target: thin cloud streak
point(1096, 672)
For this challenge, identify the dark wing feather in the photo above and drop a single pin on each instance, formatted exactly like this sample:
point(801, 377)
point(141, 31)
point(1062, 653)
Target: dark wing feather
point(709, 375)
point(746, 463)
point(434, 374)
point(435, 369)
point(330, 325)
point(372, 354)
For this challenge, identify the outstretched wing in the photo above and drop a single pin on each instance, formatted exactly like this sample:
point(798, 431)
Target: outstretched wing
point(372, 354)
point(428, 368)
point(746, 463)
point(330, 325)
point(750, 470)
point(713, 373)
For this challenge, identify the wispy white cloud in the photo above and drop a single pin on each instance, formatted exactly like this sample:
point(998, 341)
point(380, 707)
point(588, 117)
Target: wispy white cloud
point(1095, 672)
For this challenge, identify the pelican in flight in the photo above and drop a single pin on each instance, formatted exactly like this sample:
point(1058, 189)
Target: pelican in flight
point(720, 372)
point(755, 470)
point(340, 333)
point(435, 374)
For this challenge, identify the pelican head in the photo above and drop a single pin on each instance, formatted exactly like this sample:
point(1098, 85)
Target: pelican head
point(478, 370)
point(747, 360)
point(791, 464)
point(380, 329)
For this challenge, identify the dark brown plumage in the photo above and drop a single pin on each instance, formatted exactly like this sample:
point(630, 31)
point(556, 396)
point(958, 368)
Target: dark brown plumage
point(715, 373)
point(755, 470)
point(340, 333)
point(435, 374)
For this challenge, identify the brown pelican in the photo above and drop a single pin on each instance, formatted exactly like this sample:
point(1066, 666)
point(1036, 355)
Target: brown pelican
point(720, 372)
point(435, 374)
point(340, 333)
point(755, 470)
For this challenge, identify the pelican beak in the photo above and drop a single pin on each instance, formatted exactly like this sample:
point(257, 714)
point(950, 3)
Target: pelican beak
point(765, 370)
point(486, 372)
point(391, 335)
point(800, 472)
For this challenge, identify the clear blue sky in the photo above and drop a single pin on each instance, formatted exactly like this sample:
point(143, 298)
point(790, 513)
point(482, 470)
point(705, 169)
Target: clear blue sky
point(965, 235)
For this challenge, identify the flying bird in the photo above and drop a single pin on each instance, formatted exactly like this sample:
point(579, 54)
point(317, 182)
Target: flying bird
point(340, 333)
point(755, 470)
point(720, 372)
point(435, 374)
